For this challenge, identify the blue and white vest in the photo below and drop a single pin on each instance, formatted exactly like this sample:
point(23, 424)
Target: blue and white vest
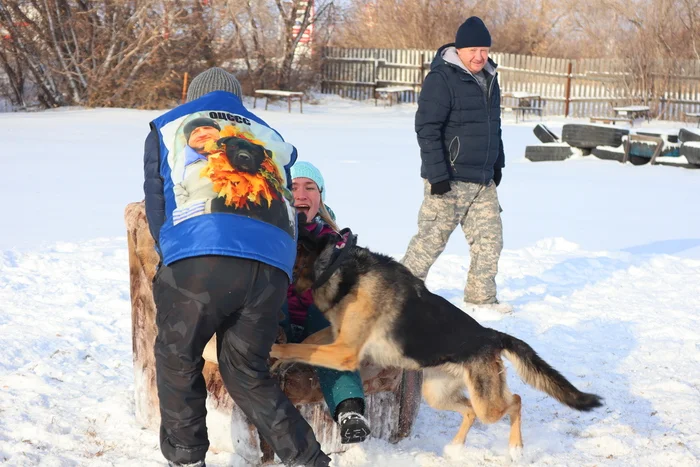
point(226, 184)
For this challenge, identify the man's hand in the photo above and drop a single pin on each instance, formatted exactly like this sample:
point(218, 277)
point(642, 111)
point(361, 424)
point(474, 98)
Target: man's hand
point(440, 188)
point(497, 175)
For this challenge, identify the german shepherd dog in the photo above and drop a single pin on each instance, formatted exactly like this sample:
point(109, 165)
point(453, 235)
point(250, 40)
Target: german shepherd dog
point(379, 310)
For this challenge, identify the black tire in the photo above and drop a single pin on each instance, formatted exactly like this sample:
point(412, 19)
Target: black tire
point(543, 153)
point(544, 134)
point(670, 137)
point(608, 155)
point(638, 160)
point(691, 153)
point(685, 135)
point(590, 136)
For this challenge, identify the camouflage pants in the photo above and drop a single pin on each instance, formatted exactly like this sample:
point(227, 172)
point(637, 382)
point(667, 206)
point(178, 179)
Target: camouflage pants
point(475, 207)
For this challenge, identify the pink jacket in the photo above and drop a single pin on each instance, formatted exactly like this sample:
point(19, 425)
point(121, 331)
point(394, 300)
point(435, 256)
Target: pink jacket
point(299, 304)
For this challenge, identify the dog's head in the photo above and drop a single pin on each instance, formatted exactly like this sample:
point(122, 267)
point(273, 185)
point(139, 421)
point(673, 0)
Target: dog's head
point(314, 255)
point(242, 154)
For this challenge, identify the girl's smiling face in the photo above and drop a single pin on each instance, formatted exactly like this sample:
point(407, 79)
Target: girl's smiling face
point(307, 197)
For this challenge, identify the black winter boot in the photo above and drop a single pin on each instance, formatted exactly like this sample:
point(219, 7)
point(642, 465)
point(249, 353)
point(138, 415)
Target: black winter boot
point(354, 427)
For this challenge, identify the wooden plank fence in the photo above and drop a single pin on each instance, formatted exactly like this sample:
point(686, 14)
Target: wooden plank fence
point(577, 88)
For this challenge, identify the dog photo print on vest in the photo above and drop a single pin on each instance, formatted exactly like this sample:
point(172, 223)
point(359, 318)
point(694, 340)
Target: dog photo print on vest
point(224, 163)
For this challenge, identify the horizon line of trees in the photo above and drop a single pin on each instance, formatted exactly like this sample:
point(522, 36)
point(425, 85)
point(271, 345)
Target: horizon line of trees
point(134, 53)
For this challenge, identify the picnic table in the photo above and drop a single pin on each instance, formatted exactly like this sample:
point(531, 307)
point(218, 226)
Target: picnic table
point(632, 111)
point(392, 91)
point(290, 95)
point(694, 115)
point(526, 102)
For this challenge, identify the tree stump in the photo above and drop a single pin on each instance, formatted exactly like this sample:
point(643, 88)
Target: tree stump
point(392, 395)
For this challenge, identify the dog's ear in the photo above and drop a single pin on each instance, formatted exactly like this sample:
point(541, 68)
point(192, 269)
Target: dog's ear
point(224, 141)
point(267, 153)
point(325, 241)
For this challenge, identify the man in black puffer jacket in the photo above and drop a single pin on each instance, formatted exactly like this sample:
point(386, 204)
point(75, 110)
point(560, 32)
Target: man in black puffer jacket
point(458, 124)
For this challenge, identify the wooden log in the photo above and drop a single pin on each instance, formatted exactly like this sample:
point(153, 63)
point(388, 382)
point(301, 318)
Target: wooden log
point(392, 395)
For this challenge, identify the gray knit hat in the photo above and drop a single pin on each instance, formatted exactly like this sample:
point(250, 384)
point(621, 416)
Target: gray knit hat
point(213, 79)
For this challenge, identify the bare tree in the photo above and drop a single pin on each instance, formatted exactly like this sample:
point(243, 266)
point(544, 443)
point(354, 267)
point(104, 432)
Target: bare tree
point(264, 37)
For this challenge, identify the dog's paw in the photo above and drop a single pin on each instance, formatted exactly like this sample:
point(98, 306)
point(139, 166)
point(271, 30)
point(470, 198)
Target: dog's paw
point(516, 453)
point(277, 351)
point(277, 367)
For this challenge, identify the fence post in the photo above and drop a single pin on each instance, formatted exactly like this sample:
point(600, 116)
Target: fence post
point(184, 88)
point(567, 96)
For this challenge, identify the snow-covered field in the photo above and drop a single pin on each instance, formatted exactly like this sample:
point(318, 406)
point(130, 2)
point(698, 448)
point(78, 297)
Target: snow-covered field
point(601, 261)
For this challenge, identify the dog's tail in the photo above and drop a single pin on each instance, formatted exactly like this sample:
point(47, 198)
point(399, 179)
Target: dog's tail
point(540, 375)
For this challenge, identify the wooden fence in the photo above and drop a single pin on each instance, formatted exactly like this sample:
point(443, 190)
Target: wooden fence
point(577, 88)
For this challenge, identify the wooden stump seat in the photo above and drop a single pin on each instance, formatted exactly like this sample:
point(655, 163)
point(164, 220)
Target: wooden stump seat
point(392, 395)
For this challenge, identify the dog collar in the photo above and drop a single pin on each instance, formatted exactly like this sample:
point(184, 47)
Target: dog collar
point(340, 253)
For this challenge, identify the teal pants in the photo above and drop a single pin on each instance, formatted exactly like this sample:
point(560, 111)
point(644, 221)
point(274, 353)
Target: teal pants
point(336, 386)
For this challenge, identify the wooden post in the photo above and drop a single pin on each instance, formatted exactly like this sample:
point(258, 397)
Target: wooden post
point(184, 88)
point(567, 97)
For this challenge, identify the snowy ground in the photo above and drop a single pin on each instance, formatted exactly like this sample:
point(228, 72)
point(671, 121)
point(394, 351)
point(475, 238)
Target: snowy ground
point(602, 264)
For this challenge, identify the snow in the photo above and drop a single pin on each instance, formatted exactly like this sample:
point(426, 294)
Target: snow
point(692, 144)
point(619, 149)
point(554, 145)
point(603, 272)
point(632, 108)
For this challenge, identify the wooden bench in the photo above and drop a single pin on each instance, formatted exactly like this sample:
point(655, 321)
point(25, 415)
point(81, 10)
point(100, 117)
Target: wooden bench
point(521, 111)
point(694, 115)
point(612, 120)
point(290, 95)
point(391, 91)
point(633, 111)
point(525, 103)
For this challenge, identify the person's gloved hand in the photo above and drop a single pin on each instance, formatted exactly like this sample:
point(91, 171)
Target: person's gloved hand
point(440, 188)
point(497, 175)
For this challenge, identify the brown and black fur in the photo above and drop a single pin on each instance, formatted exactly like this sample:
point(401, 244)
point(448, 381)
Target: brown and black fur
point(380, 311)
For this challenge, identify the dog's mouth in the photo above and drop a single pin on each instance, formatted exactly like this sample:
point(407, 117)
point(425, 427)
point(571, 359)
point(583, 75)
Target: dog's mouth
point(244, 161)
point(303, 208)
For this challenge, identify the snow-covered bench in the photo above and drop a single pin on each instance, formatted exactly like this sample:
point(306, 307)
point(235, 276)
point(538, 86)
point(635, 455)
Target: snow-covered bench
point(527, 102)
point(289, 95)
point(611, 120)
point(392, 396)
point(695, 115)
point(391, 91)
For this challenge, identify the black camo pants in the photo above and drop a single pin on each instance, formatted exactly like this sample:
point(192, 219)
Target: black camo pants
point(239, 300)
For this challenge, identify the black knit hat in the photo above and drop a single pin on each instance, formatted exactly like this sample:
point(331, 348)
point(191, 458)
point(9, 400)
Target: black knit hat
point(473, 33)
point(196, 123)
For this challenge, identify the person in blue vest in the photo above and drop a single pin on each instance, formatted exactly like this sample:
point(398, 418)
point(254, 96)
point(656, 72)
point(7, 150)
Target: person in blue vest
point(225, 229)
